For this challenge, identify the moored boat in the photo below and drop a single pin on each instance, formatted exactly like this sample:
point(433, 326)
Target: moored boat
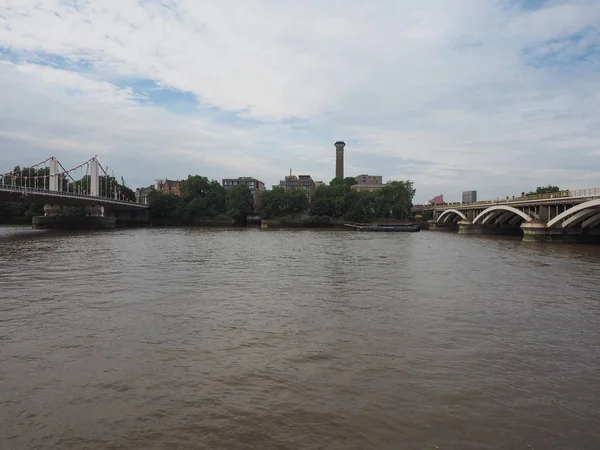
point(383, 227)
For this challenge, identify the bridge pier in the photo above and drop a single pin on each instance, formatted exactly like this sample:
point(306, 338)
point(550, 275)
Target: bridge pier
point(441, 226)
point(540, 232)
point(54, 219)
point(139, 218)
point(467, 227)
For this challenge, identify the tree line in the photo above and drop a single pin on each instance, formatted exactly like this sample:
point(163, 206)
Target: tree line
point(203, 200)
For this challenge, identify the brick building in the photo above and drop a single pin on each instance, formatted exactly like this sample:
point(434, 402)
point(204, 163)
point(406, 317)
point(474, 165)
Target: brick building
point(169, 187)
point(304, 182)
point(255, 186)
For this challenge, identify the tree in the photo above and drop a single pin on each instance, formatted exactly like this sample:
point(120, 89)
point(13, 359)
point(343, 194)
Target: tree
point(396, 199)
point(128, 193)
point(330, 200)
point(339, 181)
point(545, 190)
point(280, 202)
point(239, 203)
point(164, 208)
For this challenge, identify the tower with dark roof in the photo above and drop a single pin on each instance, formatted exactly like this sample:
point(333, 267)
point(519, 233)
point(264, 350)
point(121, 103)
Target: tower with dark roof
point(339, 159)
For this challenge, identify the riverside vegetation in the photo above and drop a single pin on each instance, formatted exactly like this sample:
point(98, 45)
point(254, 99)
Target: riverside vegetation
point(206, 202)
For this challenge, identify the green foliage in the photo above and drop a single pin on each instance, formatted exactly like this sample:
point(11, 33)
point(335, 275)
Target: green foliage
point(127, 193)
point(279, 202)
point(339, 181)
point(239, 203)
point(28, 177)
point(33, 210)
point(108, 187)
point(545, 190)
point(165, 209)
point(338, 200)
point(19, 212)
point(202, 201)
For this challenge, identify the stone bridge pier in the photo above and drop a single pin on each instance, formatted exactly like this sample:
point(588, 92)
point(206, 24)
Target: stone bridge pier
point(59, 217)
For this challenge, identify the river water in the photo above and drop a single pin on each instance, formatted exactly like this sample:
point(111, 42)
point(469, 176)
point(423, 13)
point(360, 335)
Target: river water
point(249, 339)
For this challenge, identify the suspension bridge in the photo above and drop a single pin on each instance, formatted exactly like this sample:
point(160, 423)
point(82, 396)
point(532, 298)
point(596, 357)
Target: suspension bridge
point(87, 185)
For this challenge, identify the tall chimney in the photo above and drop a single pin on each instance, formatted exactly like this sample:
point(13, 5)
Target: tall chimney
point(339, 159)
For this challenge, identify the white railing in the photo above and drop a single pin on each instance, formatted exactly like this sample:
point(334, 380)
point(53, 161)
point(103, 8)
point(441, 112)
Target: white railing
point(595, 192)
point(27, 190)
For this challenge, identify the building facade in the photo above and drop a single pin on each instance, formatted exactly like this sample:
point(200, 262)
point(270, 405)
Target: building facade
point(169, 187)
point(141, 194)
point(469, 196)
point(368, 183)
point(298, 182)
point(304, 182)
point(255, 186)
point(369, 179)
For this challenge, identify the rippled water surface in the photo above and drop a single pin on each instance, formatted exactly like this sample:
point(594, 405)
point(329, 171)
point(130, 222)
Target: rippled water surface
point(187, 338)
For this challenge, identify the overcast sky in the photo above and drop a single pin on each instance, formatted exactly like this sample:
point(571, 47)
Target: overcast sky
point(497, 96)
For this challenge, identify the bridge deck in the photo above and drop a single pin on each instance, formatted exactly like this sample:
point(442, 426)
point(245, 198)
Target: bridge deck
point(34, 195)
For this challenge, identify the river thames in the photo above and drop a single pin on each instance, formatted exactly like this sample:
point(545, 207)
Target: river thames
point(249, 339)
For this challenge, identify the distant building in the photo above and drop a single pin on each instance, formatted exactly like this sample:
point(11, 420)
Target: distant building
point(369, 179)
point(368, 183)
point(255, 186)
point(304, 182)
point(141, 194)
point(169, 187)
point(469, 196)
point(437, 200)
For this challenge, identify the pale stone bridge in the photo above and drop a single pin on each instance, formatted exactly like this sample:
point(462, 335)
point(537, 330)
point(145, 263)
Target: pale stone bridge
point(572, 215)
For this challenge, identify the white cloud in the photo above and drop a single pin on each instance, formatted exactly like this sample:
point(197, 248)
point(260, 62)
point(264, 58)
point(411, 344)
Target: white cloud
point(453, 94)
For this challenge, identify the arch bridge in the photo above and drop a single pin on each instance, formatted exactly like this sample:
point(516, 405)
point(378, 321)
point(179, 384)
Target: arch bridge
point(574, 216)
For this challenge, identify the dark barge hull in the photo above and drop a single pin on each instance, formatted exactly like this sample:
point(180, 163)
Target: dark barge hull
point(388, 228)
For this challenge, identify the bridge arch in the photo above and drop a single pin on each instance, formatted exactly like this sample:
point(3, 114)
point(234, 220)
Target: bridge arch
point(496, 210)
point(577, 213)
point(591, 221)
point(447, 212)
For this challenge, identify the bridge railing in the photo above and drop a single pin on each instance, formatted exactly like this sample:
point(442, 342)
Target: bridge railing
point(26, 189)
point(585, 192)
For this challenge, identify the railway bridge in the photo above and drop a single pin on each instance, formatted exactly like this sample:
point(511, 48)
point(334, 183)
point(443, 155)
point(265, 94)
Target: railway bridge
point(570, 215)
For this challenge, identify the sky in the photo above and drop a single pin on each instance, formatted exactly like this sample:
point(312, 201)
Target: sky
point(499, 96)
